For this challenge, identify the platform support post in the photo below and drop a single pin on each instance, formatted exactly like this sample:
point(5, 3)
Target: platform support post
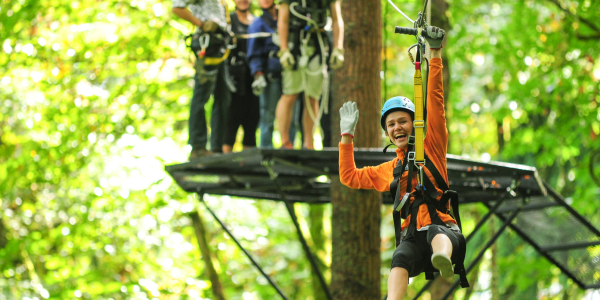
point(290, 207)
point(470, 236)
point(201, 195)
point(508, 220)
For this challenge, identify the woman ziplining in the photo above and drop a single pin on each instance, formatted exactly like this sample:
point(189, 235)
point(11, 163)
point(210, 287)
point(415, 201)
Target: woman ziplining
point(429, 239)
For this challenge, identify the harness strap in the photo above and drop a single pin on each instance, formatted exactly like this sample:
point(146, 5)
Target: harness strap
point(449, 195)
point(395, 191)
point(459, 267)
point(436, 174)
point(211, 61)
point(397, 173)
point(411, 160)
point(269, 22)
point(429, 197)
point(227, 17)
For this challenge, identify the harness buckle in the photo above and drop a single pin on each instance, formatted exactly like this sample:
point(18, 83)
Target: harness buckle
point(411, 155)
point(419, 124)
point(419, 164)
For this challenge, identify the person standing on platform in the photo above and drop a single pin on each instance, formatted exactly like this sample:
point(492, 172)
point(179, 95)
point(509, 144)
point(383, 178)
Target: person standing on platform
point(244, 109)
point(210, 18)
point(266, 70)
point(303, 56)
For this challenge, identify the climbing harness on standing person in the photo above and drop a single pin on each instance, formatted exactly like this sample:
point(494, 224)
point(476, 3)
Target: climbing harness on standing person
point(310, 20)
point(415, 159)
point(211, 46)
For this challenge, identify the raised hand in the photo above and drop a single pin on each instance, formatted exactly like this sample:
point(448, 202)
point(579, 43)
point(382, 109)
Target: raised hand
point(434, 37)
point(348, 118)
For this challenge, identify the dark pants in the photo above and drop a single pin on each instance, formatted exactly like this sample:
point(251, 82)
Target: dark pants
point(204, 87)
point(414, 252)
point(244, 111)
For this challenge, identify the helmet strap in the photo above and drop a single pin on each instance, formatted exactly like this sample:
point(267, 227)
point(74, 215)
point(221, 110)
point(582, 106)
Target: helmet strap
point(386, 147)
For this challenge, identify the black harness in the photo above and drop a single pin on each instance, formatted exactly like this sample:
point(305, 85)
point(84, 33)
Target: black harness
point(217, 47)
point(315, 10)
point(239, 71)
point(426, 193)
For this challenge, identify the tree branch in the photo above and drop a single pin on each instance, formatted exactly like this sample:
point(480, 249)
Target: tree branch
point(591, 166)
point(584, 21)
point(588, 37)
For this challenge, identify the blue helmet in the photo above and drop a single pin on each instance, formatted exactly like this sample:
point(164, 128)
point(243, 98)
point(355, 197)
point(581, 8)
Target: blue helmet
point(397, 103)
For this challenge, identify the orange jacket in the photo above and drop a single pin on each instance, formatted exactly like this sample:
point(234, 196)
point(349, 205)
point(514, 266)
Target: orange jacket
point(436, 143)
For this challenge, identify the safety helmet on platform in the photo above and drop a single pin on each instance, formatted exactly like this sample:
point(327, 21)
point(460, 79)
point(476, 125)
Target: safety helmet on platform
point(398, 103)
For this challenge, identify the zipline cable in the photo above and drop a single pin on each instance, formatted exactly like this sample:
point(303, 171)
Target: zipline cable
point(396, 7)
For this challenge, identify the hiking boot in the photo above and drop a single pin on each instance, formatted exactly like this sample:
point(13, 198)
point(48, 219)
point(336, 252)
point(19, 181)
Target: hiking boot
point(443, 263)
point(196, 153)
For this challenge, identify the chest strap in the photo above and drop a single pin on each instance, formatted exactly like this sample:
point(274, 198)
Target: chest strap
point(428, 188)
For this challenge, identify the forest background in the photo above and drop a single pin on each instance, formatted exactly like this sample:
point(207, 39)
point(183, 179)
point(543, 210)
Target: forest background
point(94, 100)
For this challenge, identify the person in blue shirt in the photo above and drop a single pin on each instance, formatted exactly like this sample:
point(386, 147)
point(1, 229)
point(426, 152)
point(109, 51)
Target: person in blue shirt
point(266, 70)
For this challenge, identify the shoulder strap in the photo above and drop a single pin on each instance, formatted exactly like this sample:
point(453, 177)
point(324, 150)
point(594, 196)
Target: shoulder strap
point(226, 11)
point(441, 182)
point(269, 22)
point(234, 21)
point(411, 162)
point(395, 185)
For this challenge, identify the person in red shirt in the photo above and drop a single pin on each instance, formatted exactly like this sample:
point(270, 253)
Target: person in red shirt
point(426, 241)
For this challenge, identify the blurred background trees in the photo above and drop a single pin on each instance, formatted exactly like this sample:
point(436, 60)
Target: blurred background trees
point(94, 102)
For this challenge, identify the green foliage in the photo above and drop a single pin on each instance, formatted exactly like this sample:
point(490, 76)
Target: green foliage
point(94, 102)
point(524, 88)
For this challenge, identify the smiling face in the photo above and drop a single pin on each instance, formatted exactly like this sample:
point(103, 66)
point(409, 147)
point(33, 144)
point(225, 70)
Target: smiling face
point(265, 4)
point(242, 4)
point(398, 126)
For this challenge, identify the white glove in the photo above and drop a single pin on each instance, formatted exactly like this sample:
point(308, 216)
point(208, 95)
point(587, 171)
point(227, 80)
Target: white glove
point(348, 118)
point(258, 85)
point(337, 58)
point(286, 59)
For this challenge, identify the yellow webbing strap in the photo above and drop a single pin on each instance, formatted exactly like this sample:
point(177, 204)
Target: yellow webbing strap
point(227, 17)
point(211, 61)
point(419, 123)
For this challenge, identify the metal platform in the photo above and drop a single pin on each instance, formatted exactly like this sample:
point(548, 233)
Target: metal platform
point(515, 193)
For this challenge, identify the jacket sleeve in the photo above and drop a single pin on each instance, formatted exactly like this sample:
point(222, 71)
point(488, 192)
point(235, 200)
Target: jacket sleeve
point(377, 177)
point(436, 140)
point(255, 57)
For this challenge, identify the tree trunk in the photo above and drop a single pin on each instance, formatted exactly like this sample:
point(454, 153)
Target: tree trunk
point(356, 256)
point(200, 230)
point(356, 216)
point(315, 215)
point(3, 238)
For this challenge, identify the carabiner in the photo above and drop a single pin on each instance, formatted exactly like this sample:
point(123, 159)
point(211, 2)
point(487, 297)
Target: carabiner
point(420, 176)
